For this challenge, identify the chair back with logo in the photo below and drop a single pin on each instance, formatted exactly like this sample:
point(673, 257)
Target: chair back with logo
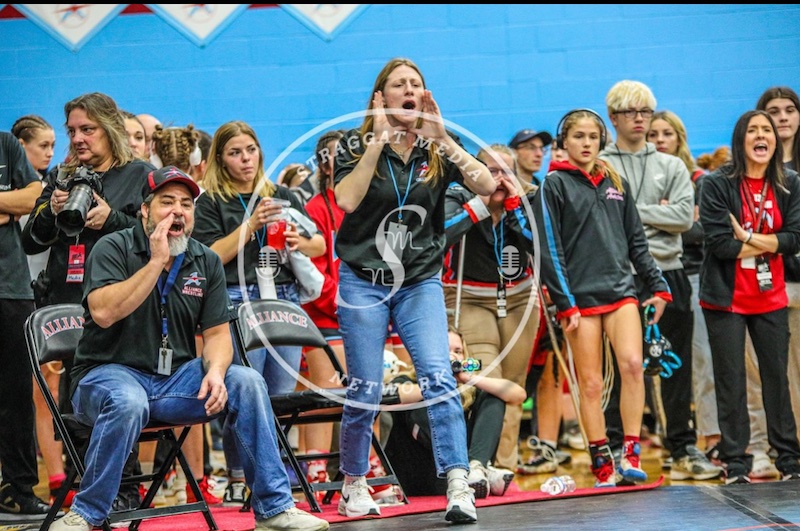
point(274, 322)
point(52, 333)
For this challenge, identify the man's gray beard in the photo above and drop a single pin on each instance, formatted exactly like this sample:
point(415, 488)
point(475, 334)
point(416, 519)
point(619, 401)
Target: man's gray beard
point(177, 244)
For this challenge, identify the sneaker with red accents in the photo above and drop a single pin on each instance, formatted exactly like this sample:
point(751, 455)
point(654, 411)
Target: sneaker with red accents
point(382, 494)
point(629, 466)
point(318, 473)
point(55, 486)
point(603, 466)
point(205, 489)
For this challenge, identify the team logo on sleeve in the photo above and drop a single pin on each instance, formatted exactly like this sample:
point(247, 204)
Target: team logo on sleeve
point(192, 286)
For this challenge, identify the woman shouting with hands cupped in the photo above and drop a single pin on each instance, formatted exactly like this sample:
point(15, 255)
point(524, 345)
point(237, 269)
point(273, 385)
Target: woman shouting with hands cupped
point(390, 178)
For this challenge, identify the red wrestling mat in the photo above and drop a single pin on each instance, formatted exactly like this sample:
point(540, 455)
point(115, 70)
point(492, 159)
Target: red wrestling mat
point(230, 519)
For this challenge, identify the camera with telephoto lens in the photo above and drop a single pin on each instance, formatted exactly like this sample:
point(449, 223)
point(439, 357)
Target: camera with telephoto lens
point(81, 186)
point(466, 365)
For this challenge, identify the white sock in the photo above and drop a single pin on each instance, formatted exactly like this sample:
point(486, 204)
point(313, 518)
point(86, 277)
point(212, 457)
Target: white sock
point(349, 480)
point(457, 477)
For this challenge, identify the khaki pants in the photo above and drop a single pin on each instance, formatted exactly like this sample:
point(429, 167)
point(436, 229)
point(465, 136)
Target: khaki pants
point(492, 340)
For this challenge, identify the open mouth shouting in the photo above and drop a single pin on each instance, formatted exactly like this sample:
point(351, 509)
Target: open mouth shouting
point(761, 148)
point(177, 228)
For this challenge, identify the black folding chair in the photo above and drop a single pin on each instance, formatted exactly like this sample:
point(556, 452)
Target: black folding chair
point(52, 334)
point(274, 322)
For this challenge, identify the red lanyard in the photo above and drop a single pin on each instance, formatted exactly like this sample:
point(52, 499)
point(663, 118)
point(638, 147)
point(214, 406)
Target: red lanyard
point(761, 212)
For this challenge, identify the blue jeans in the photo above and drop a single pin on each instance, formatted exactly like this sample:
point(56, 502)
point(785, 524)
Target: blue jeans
point(419, 317)
point(119, 401)
point(279, 380)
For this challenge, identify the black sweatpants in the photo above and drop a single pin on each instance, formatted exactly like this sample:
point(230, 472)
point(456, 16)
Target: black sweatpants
point(770, 334)
point(17, 443)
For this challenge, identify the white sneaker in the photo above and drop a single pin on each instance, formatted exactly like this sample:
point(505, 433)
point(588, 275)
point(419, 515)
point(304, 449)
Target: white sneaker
point(71, 522)
point(499, 480)
point(292, 520)
point(763, 467)
point(460, 503)
point(478, 479)
point(179, 488)
point(356, 500)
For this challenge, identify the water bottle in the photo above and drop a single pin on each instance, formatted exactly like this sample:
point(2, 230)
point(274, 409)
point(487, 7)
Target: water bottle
point(558, 485)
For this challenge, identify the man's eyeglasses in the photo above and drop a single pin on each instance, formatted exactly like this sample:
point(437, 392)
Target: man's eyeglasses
point(498, 171)
point(533, 147)
point(630, 114)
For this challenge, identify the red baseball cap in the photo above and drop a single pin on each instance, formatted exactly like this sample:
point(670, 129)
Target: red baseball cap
point(168, 174)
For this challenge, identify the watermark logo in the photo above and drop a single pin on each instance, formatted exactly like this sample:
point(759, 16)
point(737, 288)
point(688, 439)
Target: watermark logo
point(392, 240)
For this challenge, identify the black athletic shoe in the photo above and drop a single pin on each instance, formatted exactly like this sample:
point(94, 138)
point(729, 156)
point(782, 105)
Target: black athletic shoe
point(18, 506)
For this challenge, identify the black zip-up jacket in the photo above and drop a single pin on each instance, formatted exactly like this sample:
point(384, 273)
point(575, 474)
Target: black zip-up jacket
point(719, 197)
point(590, 236)
point(122, 190)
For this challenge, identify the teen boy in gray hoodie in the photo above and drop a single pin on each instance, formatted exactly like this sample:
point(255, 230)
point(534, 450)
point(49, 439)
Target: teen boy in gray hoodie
point(662, 188)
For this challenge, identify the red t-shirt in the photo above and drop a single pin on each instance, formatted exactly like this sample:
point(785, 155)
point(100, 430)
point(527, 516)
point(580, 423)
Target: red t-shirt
point(747, 297)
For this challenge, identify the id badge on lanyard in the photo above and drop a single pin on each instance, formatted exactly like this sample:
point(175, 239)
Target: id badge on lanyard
point(763, 273)
point(76, 263)
point(501, 299)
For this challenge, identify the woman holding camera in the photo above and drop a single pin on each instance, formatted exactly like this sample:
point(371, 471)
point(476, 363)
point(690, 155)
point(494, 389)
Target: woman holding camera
point(98, 153)
point(99, 157)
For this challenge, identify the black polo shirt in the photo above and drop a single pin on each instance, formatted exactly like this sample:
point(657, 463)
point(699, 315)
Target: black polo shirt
point(356, 240)
point(198, 298)
point(216, 217)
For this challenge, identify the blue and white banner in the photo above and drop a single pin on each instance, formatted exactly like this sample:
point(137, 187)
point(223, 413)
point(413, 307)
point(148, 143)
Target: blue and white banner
point(201, 23)
point(71, 24)
point(326, 20)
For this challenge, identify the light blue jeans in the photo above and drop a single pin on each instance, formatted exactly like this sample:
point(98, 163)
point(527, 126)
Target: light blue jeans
point(419, 317)
point(118, 401)
point(278, 379)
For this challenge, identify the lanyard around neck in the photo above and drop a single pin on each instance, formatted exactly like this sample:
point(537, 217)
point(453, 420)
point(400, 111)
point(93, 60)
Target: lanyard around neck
point(164, 287)
point(761, 212)
point(498, 251)
point(261, 233)
point(401, 203)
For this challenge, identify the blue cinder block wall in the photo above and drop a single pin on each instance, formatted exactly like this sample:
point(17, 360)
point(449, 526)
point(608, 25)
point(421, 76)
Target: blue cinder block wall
point(493, 69)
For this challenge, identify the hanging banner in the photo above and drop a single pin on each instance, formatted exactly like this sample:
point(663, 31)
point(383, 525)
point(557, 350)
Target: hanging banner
point(71, 24)
point(326, 20)
point(201, 23)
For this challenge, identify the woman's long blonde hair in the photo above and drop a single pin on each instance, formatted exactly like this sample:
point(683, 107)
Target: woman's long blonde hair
point(683, 152)
point(217, 181)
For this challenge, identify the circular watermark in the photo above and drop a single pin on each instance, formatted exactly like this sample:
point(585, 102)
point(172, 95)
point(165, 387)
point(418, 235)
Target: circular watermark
point(514, 261)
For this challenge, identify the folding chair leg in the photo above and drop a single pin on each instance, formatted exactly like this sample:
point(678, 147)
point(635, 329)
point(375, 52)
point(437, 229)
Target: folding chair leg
point(60, 497)
point(286, 447)
point(387, 466)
